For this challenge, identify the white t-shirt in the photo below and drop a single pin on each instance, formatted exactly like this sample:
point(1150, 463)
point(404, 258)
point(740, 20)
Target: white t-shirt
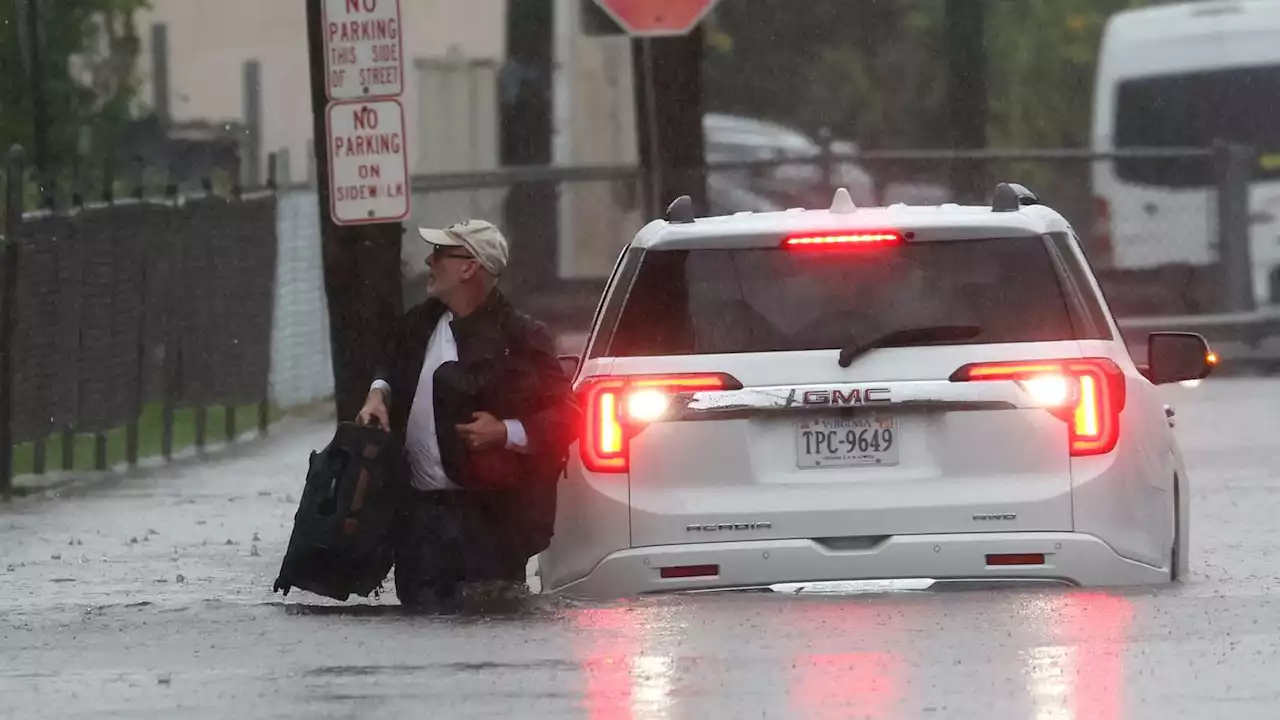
point(421, 444)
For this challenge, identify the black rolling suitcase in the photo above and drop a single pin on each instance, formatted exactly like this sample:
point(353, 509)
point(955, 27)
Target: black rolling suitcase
point(341, 543)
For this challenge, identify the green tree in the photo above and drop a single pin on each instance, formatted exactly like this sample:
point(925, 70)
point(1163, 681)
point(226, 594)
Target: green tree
point(1041, 80)
point(90, 51)
point(874, 70)
point(819, 67)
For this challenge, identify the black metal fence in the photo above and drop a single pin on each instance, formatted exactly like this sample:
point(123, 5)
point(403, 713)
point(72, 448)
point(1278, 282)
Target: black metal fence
point(117, 307)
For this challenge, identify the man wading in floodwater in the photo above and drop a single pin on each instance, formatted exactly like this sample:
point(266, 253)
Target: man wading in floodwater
point(487, 414)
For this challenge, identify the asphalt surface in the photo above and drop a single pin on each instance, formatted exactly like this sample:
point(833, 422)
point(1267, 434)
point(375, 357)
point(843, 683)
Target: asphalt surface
point(151, 598)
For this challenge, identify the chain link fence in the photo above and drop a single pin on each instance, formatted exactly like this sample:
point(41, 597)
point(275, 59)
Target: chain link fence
point(301, 356)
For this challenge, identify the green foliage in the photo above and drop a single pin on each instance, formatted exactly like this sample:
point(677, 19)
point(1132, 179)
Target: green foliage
point(1043, 55)
point(90, 48)
point(875, 70)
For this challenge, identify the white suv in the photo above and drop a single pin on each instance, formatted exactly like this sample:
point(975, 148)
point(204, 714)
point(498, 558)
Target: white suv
point(853, 393)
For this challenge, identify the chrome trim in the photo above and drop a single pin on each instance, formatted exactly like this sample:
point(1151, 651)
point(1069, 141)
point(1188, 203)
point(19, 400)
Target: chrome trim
point(882, 586)
point(984, 517)
point(728, 527)
point(920, 394)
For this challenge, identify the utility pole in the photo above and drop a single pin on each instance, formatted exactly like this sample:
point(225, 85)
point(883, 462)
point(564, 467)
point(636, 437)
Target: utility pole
point(667, 80)
point(669, 108)
point(967, 95)
point(362, 274)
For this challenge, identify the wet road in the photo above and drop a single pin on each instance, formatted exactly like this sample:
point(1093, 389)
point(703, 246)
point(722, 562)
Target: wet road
point(153, 599)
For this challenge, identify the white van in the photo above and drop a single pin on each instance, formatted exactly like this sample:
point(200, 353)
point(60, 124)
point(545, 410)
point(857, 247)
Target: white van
point(1185, 75)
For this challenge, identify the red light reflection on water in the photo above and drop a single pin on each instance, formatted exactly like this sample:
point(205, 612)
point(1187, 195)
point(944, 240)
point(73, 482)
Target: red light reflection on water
point(843, 669)
point(833, 683)
point(845, 685)
point(1098, 624)
point(1080, 674)
point(612, 642)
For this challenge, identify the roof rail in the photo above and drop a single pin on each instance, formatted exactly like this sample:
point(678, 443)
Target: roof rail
point(680, 211)
point(1010, 197)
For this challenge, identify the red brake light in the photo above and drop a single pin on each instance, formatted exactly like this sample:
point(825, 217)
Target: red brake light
point(618, 407)
point(603, 447)
point(1094, 420)
point(817, 240)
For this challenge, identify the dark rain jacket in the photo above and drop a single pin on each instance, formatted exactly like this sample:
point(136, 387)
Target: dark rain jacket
point(507, 366)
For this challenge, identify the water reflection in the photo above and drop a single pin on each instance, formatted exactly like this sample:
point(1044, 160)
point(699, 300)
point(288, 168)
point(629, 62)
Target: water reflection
point(1050, 656)
point(624, 678)
point(610, 644)
point(652, 678)
point(1081, 676)
point(847, 672)
point(861, 685)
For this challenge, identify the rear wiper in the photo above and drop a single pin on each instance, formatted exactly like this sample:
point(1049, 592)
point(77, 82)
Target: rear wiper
point(909, 336)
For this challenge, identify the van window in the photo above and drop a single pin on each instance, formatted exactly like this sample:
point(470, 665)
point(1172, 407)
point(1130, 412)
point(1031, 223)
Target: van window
point(1193, 111)
point(686, 302)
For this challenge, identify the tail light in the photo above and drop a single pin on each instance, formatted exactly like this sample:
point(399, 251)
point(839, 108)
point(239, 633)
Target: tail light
point(834, 240)
point(1088, 394)
point(616, 408)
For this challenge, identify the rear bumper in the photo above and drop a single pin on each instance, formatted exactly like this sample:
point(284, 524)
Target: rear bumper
point(1074, 558)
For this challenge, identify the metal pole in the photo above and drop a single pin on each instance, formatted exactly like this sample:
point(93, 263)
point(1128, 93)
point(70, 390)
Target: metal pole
point(160, 71)
point(252, 157)
point(564, 36)
point(967, 94)
point(8, 314)
point(651, 123)
point(362, 274)
point(828, 160)
point(39, 101)
point(669, 118)
point(1235, 168)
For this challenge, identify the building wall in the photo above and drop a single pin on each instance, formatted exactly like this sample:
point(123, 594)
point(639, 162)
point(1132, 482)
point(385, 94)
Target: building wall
point(454, 53)
point(210, 40)
point(598, 218)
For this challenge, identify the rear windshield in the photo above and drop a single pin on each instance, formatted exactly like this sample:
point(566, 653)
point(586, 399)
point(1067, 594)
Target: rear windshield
point(1194, 111)
point(687, 302)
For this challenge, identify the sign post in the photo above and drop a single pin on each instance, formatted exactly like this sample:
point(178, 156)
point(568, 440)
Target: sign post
point(667, 47)
point(357, 75)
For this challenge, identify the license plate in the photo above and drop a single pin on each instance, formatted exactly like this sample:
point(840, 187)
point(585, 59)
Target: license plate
point(860, 440)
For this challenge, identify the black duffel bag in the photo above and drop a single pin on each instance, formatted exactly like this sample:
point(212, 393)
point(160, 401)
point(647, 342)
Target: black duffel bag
point(342, 533)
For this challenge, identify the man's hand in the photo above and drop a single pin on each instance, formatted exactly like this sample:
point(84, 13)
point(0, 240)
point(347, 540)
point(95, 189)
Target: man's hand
point(374, 411)
point(483, 432)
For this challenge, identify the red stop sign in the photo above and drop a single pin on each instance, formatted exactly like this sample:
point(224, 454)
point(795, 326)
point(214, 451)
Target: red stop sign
point(652, 18)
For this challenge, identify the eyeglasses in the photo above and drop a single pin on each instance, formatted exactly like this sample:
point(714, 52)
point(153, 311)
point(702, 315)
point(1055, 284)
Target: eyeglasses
point(440, 252)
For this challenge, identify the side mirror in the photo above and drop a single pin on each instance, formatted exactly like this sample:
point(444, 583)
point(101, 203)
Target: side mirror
point(1178, 356)
point(569, 363)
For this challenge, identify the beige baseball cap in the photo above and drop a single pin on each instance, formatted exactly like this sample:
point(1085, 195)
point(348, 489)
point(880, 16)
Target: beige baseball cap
point(479, 237)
